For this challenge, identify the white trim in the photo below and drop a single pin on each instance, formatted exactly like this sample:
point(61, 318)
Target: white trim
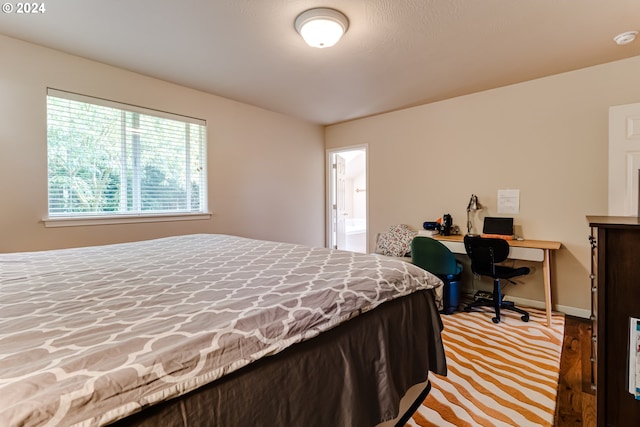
point(76, 221)
point(572, 311)
point(329, 182)
point(327, 198)
point(624, 159)
point(122, 106)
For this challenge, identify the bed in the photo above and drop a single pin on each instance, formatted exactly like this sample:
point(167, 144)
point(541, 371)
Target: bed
point(212, 329)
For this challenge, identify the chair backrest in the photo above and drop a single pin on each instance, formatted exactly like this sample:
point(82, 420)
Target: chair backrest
point(485, 252)
point(433, 256)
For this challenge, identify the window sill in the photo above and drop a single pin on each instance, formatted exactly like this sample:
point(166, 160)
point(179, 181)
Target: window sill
point(122, 219)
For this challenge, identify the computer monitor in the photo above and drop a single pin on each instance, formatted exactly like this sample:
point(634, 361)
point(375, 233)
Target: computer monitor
point(498, 225)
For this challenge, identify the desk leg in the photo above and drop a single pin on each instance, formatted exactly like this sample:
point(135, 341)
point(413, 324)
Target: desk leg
point(546, 270)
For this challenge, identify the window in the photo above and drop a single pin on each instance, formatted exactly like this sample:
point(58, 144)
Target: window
point(108, 159)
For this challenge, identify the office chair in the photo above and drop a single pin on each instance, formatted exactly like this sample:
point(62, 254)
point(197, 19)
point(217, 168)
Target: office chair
point(484, 254)
point(433, 256)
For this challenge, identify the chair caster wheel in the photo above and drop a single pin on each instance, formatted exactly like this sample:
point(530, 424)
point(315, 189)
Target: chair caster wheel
point(495, 319)
point(467, 310)
point(525, 318)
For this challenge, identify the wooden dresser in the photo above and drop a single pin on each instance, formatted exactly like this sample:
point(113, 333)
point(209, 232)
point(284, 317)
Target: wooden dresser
point(615, 286)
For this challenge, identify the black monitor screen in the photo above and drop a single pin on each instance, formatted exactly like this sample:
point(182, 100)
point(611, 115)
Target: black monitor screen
point(494, 225)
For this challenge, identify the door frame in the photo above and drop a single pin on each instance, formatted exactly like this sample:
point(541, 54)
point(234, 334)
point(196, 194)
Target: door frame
point(330, 184)
point(624, 160)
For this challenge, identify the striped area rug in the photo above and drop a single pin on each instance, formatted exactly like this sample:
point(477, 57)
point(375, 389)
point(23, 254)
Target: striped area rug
point(498, 375)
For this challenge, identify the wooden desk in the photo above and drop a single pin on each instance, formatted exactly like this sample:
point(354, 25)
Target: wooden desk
point(529, 250)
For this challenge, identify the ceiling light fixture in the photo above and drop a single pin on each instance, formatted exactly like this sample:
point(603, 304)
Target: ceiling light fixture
point(321, 27)
point(625, 38)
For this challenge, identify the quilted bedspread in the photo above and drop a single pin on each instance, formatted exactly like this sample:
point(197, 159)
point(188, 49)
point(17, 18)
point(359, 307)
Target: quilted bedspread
point(91, 335)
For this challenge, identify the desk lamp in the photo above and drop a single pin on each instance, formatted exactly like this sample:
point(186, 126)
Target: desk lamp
point(473, 206)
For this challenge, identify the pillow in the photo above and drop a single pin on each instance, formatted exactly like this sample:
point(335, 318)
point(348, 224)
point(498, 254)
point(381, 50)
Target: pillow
point(396, 241)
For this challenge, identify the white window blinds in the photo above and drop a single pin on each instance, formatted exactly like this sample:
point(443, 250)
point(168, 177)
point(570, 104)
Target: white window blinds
point(106, 158)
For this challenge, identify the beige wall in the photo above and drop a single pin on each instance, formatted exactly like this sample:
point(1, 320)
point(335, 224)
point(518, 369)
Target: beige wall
point(266, 170)
point(546, 137)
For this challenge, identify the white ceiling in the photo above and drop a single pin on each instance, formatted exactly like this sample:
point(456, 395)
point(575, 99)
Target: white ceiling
point(396, 53)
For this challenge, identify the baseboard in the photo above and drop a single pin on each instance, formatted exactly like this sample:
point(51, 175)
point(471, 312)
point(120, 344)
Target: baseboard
point(572, 311)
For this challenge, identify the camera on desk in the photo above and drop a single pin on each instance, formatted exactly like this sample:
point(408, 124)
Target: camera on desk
point(442, 226)
point(447, 223)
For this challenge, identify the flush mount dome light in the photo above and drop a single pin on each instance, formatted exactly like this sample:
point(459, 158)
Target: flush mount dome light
point(625, 38)
point(321, 27)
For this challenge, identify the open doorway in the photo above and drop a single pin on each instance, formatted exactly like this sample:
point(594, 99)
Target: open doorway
point(347, 199)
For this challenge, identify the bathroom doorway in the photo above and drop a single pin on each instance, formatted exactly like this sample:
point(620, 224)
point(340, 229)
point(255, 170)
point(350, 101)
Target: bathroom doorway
point(347, 199)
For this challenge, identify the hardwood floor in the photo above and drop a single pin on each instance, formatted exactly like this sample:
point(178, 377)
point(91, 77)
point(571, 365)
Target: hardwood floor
point(576, 401)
